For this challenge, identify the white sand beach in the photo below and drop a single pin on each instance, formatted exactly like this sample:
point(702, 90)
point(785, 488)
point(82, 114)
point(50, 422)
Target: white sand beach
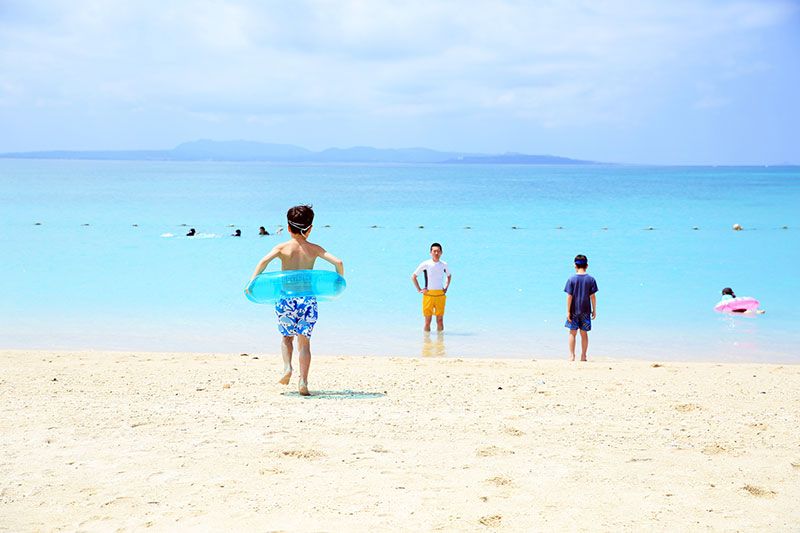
point(95, 441)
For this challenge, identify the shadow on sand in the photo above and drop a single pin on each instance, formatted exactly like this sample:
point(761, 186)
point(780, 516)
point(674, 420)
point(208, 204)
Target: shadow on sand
point(336, 395)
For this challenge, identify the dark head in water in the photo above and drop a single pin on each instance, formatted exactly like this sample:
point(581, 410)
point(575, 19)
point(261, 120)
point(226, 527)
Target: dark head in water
point(727, 291)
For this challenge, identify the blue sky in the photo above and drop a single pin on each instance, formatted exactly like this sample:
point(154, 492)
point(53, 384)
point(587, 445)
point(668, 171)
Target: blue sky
point(677, 82)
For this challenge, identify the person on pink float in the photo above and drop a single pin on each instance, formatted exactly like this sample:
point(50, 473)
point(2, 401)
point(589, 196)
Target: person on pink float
point(742, 305)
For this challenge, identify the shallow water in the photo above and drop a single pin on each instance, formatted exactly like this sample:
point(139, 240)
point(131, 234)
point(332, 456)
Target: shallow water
point(113, 285)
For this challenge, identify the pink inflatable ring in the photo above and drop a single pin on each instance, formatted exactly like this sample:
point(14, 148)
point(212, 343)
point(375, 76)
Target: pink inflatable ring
point(737, 305)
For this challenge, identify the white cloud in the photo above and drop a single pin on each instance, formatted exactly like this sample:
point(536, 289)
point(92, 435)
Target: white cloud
point(558, 64)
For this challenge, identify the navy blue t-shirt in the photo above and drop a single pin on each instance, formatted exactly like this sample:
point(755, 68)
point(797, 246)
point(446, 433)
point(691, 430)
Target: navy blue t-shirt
point(581, 286)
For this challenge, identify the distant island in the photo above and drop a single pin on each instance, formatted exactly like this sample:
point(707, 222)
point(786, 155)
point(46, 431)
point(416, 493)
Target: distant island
point(207, 150)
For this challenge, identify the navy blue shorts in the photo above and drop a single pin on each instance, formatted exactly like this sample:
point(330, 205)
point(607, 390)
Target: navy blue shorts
point(580, 321)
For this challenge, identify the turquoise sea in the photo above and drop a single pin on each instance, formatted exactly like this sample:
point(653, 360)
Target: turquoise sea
point(100, 270)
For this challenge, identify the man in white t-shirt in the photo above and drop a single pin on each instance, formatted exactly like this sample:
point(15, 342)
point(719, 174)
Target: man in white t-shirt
point(437, 280)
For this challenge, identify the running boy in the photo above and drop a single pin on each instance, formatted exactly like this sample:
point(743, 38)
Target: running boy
point(297, 315)
point(437, 281)
point(581, 306)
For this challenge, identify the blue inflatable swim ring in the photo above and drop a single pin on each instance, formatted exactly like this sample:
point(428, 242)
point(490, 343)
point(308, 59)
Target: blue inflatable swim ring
point(270, 287)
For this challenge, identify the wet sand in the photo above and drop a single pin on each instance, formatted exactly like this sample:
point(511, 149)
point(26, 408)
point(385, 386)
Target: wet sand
point(101, 441)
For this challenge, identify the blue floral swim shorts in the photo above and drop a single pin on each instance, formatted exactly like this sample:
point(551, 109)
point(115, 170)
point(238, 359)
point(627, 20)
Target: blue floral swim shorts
point(296, 315)
point(580, 321)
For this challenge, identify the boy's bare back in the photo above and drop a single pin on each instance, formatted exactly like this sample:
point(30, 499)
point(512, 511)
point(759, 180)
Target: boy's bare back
point(298, 254)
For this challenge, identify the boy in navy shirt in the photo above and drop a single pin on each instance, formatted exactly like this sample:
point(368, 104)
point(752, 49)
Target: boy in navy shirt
point(581, 305)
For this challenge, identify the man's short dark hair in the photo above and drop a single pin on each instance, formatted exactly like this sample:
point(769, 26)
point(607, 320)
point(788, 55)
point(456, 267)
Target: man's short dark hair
point(581, 261)
point(437, 245)
point(300, 218)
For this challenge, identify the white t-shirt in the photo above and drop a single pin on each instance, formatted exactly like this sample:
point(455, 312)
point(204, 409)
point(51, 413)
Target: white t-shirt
point(436, 274)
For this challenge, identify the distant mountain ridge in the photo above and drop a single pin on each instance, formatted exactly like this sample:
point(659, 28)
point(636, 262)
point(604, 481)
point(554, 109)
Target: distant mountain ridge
point(208, 150)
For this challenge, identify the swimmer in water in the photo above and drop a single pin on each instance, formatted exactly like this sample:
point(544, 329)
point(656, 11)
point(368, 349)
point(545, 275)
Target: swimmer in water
point(191, 233)
point(263, 231)
point(728, 294)
point(237, 233)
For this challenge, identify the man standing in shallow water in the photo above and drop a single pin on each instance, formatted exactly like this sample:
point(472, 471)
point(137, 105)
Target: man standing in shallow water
point(437, 280)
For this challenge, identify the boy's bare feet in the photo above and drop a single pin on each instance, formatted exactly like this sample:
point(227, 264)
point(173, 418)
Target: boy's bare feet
point(302, 388)
point(286, 377)
point(572, 357)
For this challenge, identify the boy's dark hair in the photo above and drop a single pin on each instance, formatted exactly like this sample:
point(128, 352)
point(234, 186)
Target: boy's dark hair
point(728, 291)
point(581, 261)
point(300, 218)
point(437, 245)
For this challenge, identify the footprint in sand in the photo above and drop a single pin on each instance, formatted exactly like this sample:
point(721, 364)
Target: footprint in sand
point(490, 451)
point(514, 432)
point(491, 521)
point(302, 454)
point(499, 481)
point(687, 407)
point(160, 477)
point(714, 449)
point(121, 500)
point(758, 491)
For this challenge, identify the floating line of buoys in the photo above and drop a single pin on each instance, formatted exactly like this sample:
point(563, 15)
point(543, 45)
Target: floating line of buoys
point(735, 227)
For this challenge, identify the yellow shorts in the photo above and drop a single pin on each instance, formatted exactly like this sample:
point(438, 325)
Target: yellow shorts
point(433, 303)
